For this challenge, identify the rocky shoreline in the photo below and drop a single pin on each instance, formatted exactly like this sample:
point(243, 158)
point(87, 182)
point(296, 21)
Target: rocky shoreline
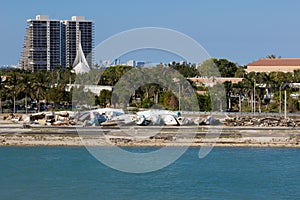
point(16, 135)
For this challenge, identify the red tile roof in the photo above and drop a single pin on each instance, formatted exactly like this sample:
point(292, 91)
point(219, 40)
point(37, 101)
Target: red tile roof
point(276, 62)
point(216, 80)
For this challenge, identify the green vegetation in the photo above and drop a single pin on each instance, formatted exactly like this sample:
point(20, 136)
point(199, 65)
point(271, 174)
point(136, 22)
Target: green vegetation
point(23, 90)
point(33, 91)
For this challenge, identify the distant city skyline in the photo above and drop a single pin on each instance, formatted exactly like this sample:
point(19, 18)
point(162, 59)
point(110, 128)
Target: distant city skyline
point(240, 31)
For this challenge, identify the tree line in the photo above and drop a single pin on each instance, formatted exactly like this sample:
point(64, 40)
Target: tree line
point(23, 90)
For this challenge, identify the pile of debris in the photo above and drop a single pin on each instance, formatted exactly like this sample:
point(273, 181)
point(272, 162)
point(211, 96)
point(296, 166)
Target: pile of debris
point(262, 121)
point(43, 118)
point(109, 117)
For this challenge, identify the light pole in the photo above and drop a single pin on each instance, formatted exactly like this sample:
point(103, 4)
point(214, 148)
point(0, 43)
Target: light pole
point(229, 101)
point(284, 103)
point(280, 100)
point(26, 96)
point(1, 93)
point(179, 96)
point(176, 80)
point(240, 104)
point(280, 103)
point(285, 97)
point(254, 100)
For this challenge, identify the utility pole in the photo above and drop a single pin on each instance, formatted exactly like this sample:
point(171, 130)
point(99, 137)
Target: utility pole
point(280, 99)
point(179, 96)
point(254, 100)
point(1, 93)
point(285, 103)
point(282, 85)
point(240, 104)
point(229, 102)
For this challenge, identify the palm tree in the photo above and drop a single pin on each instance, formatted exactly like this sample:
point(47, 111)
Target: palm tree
point(247, 87)
point(25, 86)
point(228, 86)
point(2, 92)
point(14, 89)
point(40, 85)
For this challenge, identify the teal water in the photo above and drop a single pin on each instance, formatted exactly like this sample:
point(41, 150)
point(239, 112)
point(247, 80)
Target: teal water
point(226, 173)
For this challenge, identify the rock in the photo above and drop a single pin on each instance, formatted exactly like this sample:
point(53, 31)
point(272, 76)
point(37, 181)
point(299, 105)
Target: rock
point(26, 126)
point(261, 121)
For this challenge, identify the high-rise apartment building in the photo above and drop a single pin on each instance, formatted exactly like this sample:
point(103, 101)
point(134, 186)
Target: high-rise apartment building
point(52, 43)
point(77, 29)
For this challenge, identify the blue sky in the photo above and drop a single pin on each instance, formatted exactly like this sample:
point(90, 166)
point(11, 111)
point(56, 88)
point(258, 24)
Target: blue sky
point(241, 31)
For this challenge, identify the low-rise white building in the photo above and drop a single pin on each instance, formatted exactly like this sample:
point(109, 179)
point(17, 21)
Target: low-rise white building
point(95, 89)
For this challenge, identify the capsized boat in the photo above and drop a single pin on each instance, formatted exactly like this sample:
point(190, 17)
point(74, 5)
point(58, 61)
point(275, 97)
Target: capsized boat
point(209, 120)
point(155, 120)
point(125, 119)
point(110, 113)
point(142, 121)
point(170, 120)
point(96, 119)
point(149, 113)
point(183, 121)
point(91, 118)
point(158, 117)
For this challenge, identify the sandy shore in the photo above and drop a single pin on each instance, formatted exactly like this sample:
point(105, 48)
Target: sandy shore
point(16, 135)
